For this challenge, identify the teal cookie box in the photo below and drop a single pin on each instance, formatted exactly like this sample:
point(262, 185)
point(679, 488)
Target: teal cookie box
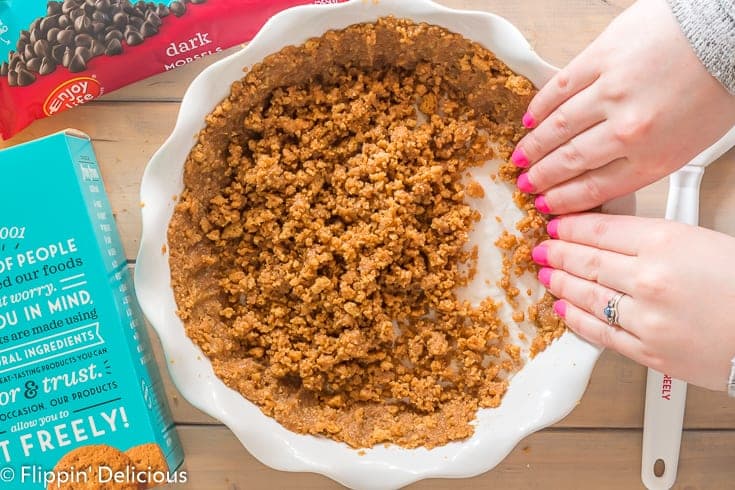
point(76, 366)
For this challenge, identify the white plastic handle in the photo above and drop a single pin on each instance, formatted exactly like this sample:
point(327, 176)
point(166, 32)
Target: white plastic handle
point(666, 397)
point(683, 202)
point(662, 428)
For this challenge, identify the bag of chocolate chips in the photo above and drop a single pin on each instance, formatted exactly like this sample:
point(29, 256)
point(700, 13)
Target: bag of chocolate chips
point(55, 55)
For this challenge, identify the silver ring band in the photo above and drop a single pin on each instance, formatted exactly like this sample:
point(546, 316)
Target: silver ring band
point(731, 381)
point(611, 310)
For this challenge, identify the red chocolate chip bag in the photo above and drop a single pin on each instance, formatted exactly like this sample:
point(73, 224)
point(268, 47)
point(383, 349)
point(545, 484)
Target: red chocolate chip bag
point(55, 55)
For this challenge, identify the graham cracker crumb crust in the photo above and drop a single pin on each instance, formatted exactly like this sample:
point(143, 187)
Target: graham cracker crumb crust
point(322, 233)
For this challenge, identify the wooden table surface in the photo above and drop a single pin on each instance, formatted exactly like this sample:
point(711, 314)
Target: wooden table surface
point(597, 446)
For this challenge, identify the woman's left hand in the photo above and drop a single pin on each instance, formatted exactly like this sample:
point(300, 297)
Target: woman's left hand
point(621, 115)
point(679, 283)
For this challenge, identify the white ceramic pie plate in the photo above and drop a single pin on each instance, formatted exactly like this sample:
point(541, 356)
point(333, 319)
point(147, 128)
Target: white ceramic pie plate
point(542, 393)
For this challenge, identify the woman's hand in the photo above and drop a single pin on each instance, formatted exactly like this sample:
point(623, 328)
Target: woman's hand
point(634, 106)
point(678, 312)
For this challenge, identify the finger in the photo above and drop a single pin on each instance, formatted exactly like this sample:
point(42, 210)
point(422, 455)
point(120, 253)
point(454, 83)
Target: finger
point(587, 151)
point(598, 332)
point(593, 188)
point(575, 77)
point(609, 269)
point(574, 116)
point(591, 297)
point(616, 233)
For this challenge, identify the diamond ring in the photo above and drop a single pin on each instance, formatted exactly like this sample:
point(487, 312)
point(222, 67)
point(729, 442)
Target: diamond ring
point(611, 310)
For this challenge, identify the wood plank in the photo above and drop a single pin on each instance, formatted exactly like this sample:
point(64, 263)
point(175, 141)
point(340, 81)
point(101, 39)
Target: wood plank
point(615, 399)
point(560, 459)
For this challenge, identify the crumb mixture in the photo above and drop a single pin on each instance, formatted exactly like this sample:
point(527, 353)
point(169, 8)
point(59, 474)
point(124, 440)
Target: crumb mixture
point(323, 229)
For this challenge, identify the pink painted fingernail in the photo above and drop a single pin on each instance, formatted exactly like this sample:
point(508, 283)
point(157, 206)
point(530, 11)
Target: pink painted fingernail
point(560, 307)
point(542, 205)
point(540, 255)
point(552, 228)
point(524, 184)
point(528, 120)
point(544, 275)
point(519, 158)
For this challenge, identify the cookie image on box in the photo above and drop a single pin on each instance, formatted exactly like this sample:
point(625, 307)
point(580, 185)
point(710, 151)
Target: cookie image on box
point(89, 459)
point(148, 457)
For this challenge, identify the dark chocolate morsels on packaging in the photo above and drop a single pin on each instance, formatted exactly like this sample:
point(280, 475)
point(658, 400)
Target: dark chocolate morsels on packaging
point(55, 55)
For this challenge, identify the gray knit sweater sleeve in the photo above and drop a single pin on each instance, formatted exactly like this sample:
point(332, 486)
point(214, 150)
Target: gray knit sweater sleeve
point(710, 27)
